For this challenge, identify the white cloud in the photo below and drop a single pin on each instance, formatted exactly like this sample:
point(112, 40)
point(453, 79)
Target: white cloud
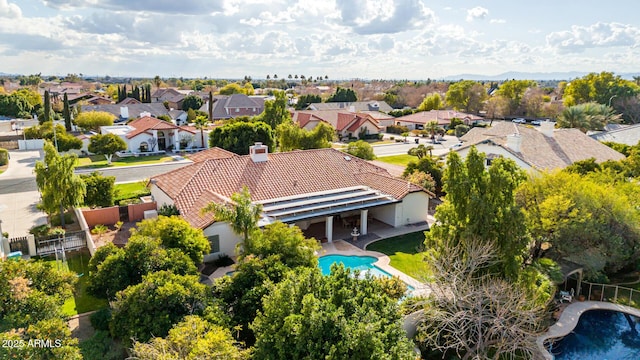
point(367, 17)
point(597, 35)
point(477, 13)
point(9, 10)
point(498, 21)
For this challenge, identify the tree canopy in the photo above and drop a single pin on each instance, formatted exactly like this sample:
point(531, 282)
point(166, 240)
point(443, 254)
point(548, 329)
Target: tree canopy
point(238, 136)
point(466, 95)
point(242, 215)
point(45, 131)
point(343, 95)
point(59, 187)
point(92, 120)
point(431, 102)
point(192, 102)
point(513, 91)
point(107, 145)
point(292, 137)
point(287, 242)
point(311, 315)
point(306, 100)
point(275, 111)
point(600, 88)
point(587, 116)
point(361, 149)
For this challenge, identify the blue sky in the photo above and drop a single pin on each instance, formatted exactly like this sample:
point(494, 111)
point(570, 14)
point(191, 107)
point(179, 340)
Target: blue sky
point(372, 39)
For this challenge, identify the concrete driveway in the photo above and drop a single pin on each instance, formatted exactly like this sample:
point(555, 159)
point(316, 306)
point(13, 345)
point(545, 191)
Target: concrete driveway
point(19, 194)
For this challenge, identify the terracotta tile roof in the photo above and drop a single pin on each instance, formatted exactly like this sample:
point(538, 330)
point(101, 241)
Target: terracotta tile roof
point(148, 123)
point(360, 120)
point(344, 119)
point(443, 117)
point(213, 153)
point(284, 174)
point(565, 147)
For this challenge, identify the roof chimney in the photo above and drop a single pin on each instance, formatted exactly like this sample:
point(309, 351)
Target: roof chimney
point(546, 128)
point(124, 112)
point(514, 141)
point(258, 152)
point(145, 114)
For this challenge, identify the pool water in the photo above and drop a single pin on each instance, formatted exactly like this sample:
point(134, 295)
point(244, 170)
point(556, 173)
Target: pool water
point(362, 263)
point(602, 335)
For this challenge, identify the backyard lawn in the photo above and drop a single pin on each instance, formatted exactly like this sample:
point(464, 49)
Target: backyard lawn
point(405, 253)
point(402, 160)
point(130, 190)
point(81, 301)
point(99, 161)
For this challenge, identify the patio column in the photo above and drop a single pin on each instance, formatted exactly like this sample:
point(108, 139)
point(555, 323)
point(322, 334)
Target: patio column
point(176, 140)
point(363, 221)
point(329, 228)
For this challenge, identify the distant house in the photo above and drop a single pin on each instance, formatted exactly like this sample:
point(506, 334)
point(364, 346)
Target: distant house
point(130, 101)
point(87, 98)
point(347, 124)
point(417, 121)
point(313, 189)
point(125, 112)
point(622, 134)
point(355, 106)
point(232, 106)
point(173, 97)
point(542, 148)
point(149, 134)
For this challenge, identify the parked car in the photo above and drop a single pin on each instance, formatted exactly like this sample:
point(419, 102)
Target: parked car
point(519, 121)
point(536, 122)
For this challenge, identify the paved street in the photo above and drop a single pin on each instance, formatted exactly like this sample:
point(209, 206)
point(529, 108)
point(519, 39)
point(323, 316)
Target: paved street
point(403, 148)
point(137, 173)
point(19, 194)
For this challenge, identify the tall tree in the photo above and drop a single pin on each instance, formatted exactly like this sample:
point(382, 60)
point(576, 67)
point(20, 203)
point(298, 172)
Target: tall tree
point(242, 215)
point(341, 95)
point(275, 111)
point(176, 233)
point(66, 113)
point(513, 91)
point(431, 102)
point(192, 102)
point(239, 136)
point(201, 123)
point(59, 187)
point(466, 95)
point(47, 107)
point(210, 108)
point(480, 204)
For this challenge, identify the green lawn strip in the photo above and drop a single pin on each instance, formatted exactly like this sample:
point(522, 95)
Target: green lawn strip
point(99, 161)
point(402, 160)
point(130, 191)
point(81, 301)
point(403, 251)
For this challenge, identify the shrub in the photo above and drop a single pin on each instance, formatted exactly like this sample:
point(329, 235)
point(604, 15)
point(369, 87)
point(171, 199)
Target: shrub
point(100, 319)
point(118, 225)
point(168, 210)
point(397, 129)
point(40, 230)
point(4, 157)
point(99, 230)
point(68, 219)
point(100, 189)
point(101, 347)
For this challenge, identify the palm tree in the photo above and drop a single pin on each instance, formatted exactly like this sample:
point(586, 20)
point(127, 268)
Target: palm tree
point(242, 215)
point(200, 123)
point(432, 127)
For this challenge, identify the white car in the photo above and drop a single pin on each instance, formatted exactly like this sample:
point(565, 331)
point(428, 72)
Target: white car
point(519, 121)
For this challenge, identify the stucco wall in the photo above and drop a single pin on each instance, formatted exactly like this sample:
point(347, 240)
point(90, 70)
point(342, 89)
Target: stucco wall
point(385, 213)
point(159, 196)
point(228, 239)
point(414, 208)
point(136, 211)
point(104, 216)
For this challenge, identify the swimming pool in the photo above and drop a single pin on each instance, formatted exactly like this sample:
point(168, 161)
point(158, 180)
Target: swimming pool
point(601, 334)
point(362, 263)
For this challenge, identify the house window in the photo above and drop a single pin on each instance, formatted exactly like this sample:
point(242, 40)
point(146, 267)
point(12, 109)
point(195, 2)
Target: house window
point(237, 110)
point(144, 146)
point(214, 241)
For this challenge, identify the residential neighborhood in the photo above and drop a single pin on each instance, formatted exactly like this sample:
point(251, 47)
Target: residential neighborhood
point(225, 181)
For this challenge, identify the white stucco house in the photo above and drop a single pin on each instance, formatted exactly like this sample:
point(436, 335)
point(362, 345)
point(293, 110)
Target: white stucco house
point(540, 148)
point(149, 134)
point(347, 124)
point(317, 189)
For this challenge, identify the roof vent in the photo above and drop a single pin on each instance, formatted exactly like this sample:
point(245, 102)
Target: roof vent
point(348, 158)
point(258, 152)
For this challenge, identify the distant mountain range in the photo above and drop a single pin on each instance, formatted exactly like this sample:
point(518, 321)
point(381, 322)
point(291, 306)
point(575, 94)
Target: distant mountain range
point(531, 76)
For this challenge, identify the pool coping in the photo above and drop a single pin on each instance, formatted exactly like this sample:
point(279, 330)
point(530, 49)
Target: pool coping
point(383, 263)
point(570, 317)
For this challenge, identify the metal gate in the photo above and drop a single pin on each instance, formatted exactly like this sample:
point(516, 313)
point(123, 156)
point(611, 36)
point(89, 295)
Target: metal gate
point(124, 213)
point(51, 244)
point(19, 244)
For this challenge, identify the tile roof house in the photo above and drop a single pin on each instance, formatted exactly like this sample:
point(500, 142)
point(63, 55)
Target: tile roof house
point(542, 148)
point(629, 135)
point(149, 134)
point(297, 187)
point(347, 124)
point(442, 117)
point(231, 106)
point(355, 106)
point(174, 97)
point(125, 112)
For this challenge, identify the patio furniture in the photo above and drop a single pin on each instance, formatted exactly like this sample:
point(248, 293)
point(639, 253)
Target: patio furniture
point(566, 296)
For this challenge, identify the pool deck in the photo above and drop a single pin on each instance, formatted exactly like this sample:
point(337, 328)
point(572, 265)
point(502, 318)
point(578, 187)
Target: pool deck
point(570, 316)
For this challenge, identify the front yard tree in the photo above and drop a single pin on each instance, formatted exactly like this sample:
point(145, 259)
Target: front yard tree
point(106, 145)
point(99, 189)
point(339, 316)
point(92, 120)
point(361, 149)
point(242, 215)
point(192, 102)
point(59, 187)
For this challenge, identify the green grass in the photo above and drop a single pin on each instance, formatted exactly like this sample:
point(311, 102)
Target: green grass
point(99, 161)
point(402, 160)
point(81, 301)
point(130, 191)
point(404, 252)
